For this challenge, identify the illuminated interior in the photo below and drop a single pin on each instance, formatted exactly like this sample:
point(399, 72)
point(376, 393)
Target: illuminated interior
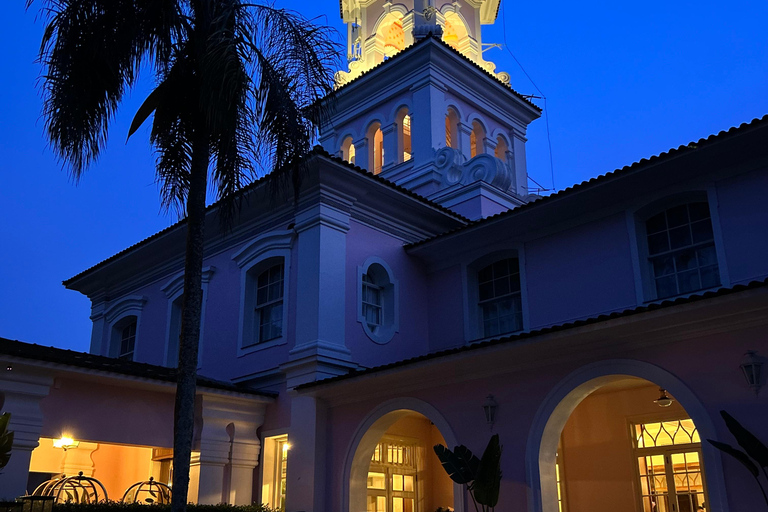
point(404, 473)
point(275, 471)
point(391, 32)
point(455, 32)
point(665, 472)
point(116, 466)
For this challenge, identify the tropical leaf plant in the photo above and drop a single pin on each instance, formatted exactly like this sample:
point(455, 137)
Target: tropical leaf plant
point(755, 454)
point(482, 477)
point(6, 439)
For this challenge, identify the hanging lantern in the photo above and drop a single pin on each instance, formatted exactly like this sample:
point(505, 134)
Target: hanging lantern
point(148, 491)
point(752, 366)
point(664, 400)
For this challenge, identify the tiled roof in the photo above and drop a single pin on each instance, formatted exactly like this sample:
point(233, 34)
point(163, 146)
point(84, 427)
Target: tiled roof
point(618, 173)
point(55, 355)
point(316, 151)
point(546, 330)
point(399, 55)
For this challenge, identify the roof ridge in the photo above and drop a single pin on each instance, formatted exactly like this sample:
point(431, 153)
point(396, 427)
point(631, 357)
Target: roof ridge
point(638, 165)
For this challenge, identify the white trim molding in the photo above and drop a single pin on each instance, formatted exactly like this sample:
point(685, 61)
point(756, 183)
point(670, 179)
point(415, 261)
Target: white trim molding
point(390, 301)
point(255, 257)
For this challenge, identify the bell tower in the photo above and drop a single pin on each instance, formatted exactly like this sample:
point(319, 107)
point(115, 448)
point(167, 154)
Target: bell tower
point(420, 106)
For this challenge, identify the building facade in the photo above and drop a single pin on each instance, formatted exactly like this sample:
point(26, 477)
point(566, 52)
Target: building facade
point(412, 281)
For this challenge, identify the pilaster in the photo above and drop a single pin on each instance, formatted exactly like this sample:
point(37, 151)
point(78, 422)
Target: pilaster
point(361, 153)
point(465, 142)
point(22, 394)
point(307, 457)
point(520, 169)
point(228, 449)
point(98, 345)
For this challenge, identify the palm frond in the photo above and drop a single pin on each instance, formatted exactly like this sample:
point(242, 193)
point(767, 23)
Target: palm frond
point(91, 52)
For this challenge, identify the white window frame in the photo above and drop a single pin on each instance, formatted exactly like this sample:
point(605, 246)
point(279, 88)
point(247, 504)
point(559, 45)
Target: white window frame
point(645, 279)
point(115, 314)
point(390, 303)
point(255, 257)
point(173, 290)
point(473, 321)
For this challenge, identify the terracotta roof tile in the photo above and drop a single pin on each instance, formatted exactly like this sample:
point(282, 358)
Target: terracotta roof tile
point(667, 303)
point(94, 362)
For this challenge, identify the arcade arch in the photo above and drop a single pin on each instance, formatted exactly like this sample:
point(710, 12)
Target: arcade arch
point(609, 405)
point(391, 465)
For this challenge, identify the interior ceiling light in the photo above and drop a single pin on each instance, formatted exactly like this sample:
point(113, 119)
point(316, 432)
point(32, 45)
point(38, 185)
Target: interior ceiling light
point(664, 400)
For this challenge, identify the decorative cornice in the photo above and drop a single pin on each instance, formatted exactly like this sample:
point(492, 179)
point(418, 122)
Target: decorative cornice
point(282, 239)
point(131, 303)
point(176, 284)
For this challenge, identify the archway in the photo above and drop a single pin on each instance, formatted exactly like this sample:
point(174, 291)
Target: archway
point(391, 466)
point(547, 432)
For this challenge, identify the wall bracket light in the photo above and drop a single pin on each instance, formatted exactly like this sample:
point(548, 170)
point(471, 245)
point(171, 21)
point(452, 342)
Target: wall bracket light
point(664, 399)
point(489, 408)
point(752, 366)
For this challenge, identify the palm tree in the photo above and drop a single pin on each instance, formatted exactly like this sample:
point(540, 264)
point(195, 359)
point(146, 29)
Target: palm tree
point(235, 86)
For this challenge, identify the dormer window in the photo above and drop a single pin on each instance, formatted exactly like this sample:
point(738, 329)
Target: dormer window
point(681, 250)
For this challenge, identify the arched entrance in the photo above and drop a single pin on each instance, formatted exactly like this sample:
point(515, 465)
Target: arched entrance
point(621, 388)
point(390, 465)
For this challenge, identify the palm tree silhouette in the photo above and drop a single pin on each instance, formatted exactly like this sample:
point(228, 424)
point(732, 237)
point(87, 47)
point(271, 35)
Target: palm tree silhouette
point(236, 86)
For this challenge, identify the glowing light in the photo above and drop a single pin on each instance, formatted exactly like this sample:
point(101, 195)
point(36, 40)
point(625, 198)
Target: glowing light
point(66, 443)
point(286, 447)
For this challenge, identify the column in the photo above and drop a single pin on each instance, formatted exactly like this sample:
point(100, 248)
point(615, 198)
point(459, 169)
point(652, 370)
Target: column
point(465, 144)
point(307, 457)
point(427, 122)
point(361, 153)
point(22, 395)
point(98, 345)
point(518, 153)
point(391, 156)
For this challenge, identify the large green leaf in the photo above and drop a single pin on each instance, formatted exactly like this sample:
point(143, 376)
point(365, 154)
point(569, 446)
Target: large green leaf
point(738, 455)
point(751, 444)
point(4, 419)
point(460, 464)
point(488, 479)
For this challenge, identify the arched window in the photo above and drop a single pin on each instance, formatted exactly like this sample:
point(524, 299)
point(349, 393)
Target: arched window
point(681, 250)
point(499, 299)
point(476, 139)
point(376, 148)
point(391, 33)
point(378, 304)
point(454, 32)
point(452, 129)
point(501, 149)
point(348, 150)
point(403, 121)
point(123, 340)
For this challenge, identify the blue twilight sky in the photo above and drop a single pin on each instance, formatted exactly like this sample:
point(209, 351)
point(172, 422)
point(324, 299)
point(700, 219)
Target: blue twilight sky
point(623, 81)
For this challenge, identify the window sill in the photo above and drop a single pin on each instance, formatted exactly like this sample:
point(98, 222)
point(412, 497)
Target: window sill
point(244, 351)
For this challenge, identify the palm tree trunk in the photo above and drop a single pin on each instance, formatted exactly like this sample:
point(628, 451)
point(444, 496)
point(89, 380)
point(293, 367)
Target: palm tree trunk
point(184, 418)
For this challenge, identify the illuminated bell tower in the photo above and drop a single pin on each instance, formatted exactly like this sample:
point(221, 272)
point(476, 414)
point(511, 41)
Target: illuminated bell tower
point(420, 105)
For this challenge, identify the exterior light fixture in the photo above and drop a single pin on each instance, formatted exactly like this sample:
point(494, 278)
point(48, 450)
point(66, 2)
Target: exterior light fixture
point(489, 408)
point(664, 400)
point(752, 366)
point(66, 443)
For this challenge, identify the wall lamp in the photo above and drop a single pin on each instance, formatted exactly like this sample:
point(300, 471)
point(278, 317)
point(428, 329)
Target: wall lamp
point(752, 366)
point(664, 399)
point(489, 408)
point(66, 443)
